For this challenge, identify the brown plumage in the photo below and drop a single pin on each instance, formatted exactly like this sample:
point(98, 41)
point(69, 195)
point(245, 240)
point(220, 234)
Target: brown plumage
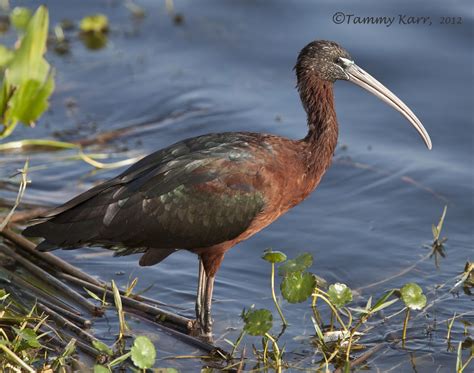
point(208, 193)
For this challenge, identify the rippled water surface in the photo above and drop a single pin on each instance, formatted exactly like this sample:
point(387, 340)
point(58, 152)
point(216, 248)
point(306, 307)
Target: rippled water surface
point(228, 67)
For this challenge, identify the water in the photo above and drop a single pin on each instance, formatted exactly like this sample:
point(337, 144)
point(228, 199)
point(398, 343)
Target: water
point(228, 67)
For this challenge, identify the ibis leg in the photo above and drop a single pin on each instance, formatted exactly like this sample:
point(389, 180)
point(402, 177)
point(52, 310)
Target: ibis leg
point(209, 262)
point(200, 291)
point(206, 323)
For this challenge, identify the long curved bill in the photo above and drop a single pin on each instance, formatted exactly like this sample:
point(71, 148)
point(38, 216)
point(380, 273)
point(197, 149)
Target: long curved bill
point(368, 82)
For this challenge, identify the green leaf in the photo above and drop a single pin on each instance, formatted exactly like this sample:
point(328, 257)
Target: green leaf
point(382, 303)
point(29, 101)
point(296, 287)
point(97, 23)
point(339, 294)
point(439, 227)
point(274, 256)
point(28, 79)
point(3, 294)
point(29, 336)
point(102, 347)
point(412, 296)
point(299, 264)
point(143, 353)
point(6, 56)
point(119, 360)
point(70, 348)
point(118, 305)
point(28, 62)
point(101, 369)
point(257, 322)
point(19, 17)
point(92, 294)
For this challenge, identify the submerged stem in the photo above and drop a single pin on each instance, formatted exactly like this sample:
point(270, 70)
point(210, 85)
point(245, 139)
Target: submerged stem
point(405, 324)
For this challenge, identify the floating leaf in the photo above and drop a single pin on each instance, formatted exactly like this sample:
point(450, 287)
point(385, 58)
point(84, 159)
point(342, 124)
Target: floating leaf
point(297, 287)
point(19, 17)
point(274, 256)
point(258, 322)
point(143, 353)
point(339, 294)
point(102, 347)
point(413, 296)
point(299, 264)
point(96, 23)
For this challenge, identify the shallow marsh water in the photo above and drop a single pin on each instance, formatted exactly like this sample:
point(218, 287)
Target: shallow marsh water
point(228, 67)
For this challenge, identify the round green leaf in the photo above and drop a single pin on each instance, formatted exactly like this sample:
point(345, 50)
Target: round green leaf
point(339, 294)
point(97, 23)
point(143, 353)
point(274, 256)
point(258, 322)
point(297, 287)
point(413, 296)
point(299, 264)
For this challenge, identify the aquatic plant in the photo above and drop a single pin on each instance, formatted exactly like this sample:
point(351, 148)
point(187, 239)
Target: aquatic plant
point(437, 246)
point(335, 343)
point(28, 79)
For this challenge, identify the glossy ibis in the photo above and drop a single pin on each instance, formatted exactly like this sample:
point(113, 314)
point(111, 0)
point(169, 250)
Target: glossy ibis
point(208, 193)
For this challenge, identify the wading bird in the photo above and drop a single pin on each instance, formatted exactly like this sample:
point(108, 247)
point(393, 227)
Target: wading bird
point(206, 194)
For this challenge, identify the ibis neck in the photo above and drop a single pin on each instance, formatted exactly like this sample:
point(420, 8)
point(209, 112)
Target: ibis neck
point(320, 142)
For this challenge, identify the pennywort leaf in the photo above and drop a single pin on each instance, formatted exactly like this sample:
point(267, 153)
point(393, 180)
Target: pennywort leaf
point(296, 287)
point(143, 353)
point(339, 294)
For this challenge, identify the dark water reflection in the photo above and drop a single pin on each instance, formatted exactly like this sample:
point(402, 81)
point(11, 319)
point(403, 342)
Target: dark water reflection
point(228, 67)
